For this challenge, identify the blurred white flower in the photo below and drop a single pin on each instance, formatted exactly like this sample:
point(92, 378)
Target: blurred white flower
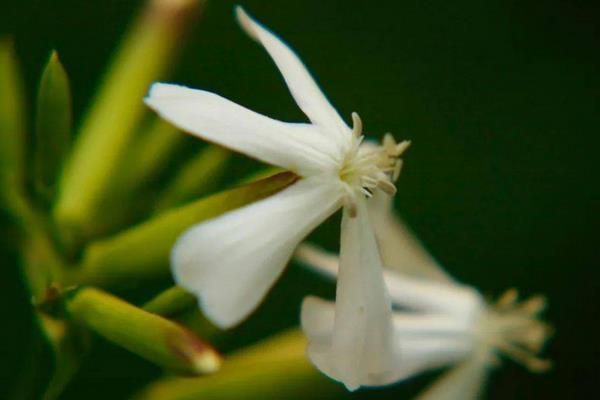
point(230, 262)
point(438, 322)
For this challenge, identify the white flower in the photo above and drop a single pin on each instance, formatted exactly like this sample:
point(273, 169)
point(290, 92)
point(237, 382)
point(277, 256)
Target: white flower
point(438, 322)
point(230, 262)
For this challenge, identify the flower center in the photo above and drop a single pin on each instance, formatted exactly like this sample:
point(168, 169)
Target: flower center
point(515, 330)
point(367, 167)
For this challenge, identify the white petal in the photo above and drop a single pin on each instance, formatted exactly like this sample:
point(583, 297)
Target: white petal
point(317, 318)
point(230, 262)
point(301, 148)
point(463, 382)
point(400, 249)
point(429, 341)
point(459, 301)
point(421, 342)
point(407, 291)
point(302, 86)
point(361, 348)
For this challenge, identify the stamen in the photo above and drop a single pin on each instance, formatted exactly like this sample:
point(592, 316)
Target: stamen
point(388, 140)
point(534, 305)
point(357, 125)
point(369, 167)
point(397, 170)
point(514, 329)
point(507, 299)
point(401, 148)
point(366, 192)
point(387, 186)
point(524, 357)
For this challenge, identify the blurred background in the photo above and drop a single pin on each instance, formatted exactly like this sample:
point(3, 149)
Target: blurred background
point(501, 100)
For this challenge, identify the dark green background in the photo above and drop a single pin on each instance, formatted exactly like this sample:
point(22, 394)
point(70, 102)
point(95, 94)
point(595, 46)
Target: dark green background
point(501, 100)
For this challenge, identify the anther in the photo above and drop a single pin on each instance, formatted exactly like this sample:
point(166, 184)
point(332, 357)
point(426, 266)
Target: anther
point(397, 170)
point(388, 140)
point(534, 305)
point(357, 125)
point(401, 148)
point(507, 299)
point(387, 186)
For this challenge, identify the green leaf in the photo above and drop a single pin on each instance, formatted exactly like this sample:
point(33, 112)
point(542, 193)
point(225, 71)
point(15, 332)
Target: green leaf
point(12, 128)
point(141, 163)
point(276, 368)
point(52, 126)
point(142, 252)
point(195, 178)
point(154, 146)
point(109, 125)
point(148, 335)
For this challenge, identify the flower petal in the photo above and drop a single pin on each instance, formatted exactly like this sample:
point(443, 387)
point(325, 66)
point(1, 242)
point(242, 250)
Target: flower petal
point(317, 318)
point(463, 382)
point(400, 249)
point(230, 262)
point(429, 341)
point(298, 147)
point(421, 342)
point(407, 291)
point(302, 86)
point(361, 345)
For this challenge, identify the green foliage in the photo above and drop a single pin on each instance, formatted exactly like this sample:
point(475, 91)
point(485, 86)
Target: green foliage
point(66, 211)
point(106, 131)
point(52, 127)
point(12, 128)
point(142, 252)
point(276, 368)
point(195, 178)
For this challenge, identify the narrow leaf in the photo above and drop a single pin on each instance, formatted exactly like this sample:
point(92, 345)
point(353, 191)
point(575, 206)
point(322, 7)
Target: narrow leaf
point(196, 177)
point(12, 127)
point(154, 146)
point(52, 126)
point(110, 122)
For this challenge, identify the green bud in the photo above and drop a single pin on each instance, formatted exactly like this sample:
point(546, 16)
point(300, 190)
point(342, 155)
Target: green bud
point(52, 126)
point(148, 335)
point(142, 252)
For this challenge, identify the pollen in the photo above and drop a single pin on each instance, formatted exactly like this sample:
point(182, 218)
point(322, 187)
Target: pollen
point(368, 166)
point(515, 330)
